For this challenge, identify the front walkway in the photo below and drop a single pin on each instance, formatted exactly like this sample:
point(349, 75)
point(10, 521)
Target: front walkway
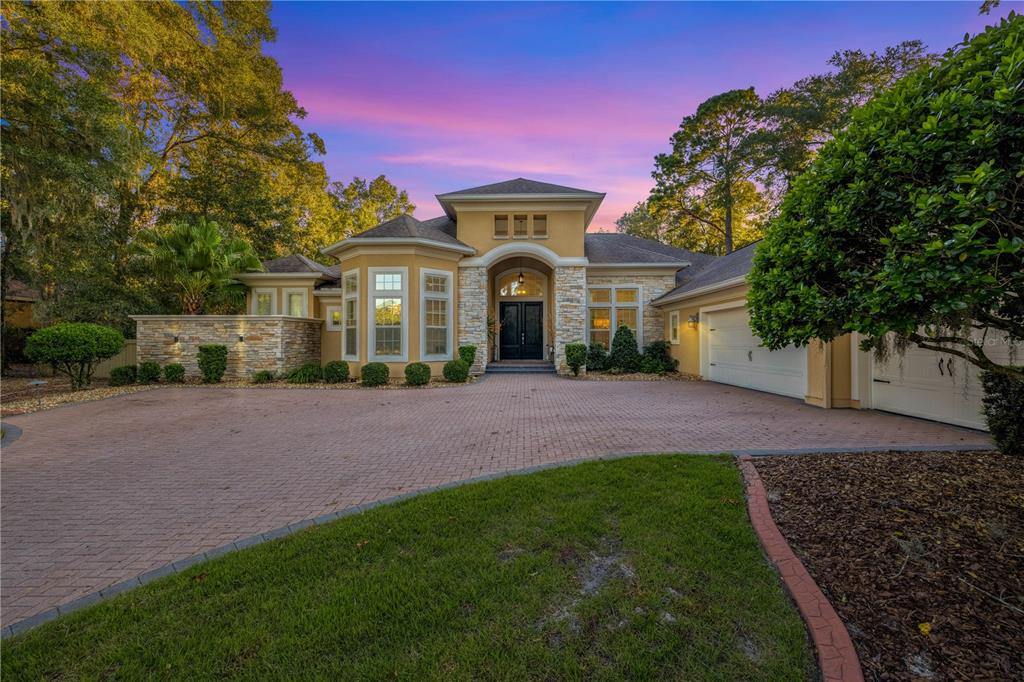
point(99, 492)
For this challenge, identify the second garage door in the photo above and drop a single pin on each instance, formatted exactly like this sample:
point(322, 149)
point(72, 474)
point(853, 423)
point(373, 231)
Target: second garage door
point(735, 356)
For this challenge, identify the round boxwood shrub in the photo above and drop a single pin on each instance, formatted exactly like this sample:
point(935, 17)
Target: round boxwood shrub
point(309, 373)
point(456, 371)
point(375, 374)
point(597, 358)
point(213, 362)
point(74, 349)
point(148, 373)
point(467, 354)
point(417, 374)
point(264, 376)
point(122, 376)
point(174, 373)
point(1003, 404)
point(624, 356)
point(658, 358)
point(336, 372)
point(576, 356)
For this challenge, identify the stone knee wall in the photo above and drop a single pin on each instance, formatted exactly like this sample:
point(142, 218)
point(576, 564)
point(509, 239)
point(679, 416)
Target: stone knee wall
point(570, 311)
point(472, 328)
point(268, 342)
point(652, 286)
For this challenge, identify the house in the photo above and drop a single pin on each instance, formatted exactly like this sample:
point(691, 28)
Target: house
point(18, 304)
point(510, 268)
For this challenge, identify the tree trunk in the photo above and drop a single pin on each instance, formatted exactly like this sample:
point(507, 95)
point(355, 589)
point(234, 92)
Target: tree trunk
point(728, 213)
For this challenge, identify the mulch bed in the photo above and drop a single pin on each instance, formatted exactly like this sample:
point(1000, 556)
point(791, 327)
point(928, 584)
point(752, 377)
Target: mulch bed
point(921, 554)
point(634, 376)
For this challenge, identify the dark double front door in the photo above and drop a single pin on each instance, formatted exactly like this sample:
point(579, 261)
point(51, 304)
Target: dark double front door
point(522, 331)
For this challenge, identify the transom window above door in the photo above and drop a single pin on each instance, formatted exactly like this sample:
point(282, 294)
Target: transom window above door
point(518, 284)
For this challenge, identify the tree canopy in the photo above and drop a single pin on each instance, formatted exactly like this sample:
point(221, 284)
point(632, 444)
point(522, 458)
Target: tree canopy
point(910, 221)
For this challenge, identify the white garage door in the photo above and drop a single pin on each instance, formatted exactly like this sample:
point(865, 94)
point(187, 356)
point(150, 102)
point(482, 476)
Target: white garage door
point(735, 356)
point(931, 385)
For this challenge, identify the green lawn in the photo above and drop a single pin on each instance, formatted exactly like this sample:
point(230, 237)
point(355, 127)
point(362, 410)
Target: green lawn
point(637, 568)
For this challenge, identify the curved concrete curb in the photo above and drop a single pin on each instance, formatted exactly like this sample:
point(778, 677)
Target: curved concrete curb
point(836, 655)
point(11, 434)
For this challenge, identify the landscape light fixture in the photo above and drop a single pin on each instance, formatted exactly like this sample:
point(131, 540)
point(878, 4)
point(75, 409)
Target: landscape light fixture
point(241, 338)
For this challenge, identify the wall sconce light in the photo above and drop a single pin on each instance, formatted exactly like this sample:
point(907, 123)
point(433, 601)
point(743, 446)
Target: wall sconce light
point(692, 320)
point(241, 338)
point(175, 339)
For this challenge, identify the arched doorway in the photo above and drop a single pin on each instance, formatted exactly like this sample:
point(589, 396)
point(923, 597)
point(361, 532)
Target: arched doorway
point(520, 296)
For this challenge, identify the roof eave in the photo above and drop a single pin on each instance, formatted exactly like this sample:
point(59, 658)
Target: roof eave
point(282, 275)
point(709, 289)
point(352, 242)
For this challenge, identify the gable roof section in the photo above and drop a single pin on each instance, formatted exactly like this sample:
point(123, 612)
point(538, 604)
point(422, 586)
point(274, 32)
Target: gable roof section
point(717, 271)
point(616, 248)
point(439, 232)
point(520, 186)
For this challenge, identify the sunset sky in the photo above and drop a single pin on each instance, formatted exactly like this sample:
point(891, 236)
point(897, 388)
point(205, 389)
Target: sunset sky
point(440, 97)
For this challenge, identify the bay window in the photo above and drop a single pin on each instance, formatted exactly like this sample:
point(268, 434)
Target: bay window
point(436, 315)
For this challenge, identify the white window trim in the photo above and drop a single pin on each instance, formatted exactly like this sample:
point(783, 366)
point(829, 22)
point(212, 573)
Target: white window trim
point(371, 295)
point(273, 299)
point(305, 300)
point(447, 297)
point(673, 327)
point(614, 317)
point(331, 327)
point(347, 296)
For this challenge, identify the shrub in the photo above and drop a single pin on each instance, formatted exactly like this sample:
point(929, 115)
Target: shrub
point(213, 362)
point(74, 349)
point(264, 376)
point(375, 374)
point(597, 358)
point(1003, 404)
point(122, 376)
point(456, 371)
point(658, 357)
point(14, 345)
point(417, 374)
point(624, 356)
point(148, 372)
point(174, 373)
point(309, 373)
point(336, 371)
point(576, 356)
point(467, 354)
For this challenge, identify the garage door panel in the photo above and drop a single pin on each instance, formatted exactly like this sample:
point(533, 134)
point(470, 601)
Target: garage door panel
point(736, 356)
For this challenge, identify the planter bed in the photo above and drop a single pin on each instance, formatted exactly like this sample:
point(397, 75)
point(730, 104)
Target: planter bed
point(634, 376)
point(921, 554)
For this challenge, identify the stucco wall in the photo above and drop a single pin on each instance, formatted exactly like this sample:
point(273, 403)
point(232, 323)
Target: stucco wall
point(565, 227)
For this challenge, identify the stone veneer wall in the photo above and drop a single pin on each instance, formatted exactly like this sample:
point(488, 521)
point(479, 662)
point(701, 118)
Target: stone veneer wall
point(570, 311)
point(271, 342)
point(473, 314)
point(653, 287)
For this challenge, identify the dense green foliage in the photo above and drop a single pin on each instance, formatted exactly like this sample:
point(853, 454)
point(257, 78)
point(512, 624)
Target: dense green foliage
point(624, 356)
point(74, 348)
point(1003, 403)
point(417, 374)
point(375, 374)
point(597, 357)
point(361, 205)
point(336, 372)
point(309, 373)
point(174, 373)
point(643, 568)
point(264, 376)
point(658, 358)
point(148, 373)
point(909, 223)
point(576, 356)
point(456, 371)
point(124, 375)
point(213, 362)
point(467, 354)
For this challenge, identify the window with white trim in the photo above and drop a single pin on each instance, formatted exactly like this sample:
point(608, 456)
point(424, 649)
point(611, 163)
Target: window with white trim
point(611, 307)
point(350, 316)
point(673, 327)
point(436, 314)
point(263, 301)
point(389, 320)
point(333, 315)
point(295, 302)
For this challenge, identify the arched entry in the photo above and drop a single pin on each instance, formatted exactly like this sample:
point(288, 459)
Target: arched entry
point(520, 296)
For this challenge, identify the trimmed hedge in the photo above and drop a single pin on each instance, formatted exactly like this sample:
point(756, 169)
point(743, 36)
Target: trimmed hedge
point(467, 354)
point(174, 373)
point(213, 362)
point(74, 349)
point(624, 356)
point(122, 376)
point(264, 376)
point(1003, 404)
point(375, 374)
point(336, 372)
point(576, 356)
point(148, 372)
point(309, 373)
point(597, 358)
point(456, 371)
point(417, 374)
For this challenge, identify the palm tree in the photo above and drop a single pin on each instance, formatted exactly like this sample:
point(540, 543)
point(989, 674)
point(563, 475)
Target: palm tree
point(198, 262)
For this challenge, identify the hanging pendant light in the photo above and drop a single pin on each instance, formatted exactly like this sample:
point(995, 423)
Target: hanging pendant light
point(520, 277)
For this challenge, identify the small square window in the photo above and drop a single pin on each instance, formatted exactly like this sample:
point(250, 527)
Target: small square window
point(520, 226)
point(501, 226)
point(540, 226)
point(387, 281)
point(334, 319)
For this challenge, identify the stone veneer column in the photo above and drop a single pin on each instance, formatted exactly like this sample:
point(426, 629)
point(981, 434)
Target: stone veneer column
point(473, 314)
point(570, 311)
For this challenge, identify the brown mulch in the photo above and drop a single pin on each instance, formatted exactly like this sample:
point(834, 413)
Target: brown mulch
point(920, 553)
point(635, 376)
point(17, 396)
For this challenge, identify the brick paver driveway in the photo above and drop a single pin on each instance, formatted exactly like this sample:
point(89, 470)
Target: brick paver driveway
point(99, 492)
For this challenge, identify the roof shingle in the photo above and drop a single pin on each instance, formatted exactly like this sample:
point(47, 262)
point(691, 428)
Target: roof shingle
point(521, 186)
point(715, 271)
point(440, 229)
point(616, 247)
point(296, 263)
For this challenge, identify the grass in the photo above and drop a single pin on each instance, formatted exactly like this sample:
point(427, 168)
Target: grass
point(636, 568)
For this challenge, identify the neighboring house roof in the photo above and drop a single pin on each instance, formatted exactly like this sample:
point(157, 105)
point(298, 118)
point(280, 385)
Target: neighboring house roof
point(296, 263)
point(617, 248)
point(520, 186)
point(19, 291)
point(440, 229)
point(717, 271)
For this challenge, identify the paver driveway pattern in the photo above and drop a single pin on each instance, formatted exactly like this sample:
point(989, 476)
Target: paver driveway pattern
point(99, 492)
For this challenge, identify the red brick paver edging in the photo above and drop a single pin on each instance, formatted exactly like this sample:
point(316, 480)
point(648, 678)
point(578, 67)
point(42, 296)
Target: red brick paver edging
point(836, 655)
